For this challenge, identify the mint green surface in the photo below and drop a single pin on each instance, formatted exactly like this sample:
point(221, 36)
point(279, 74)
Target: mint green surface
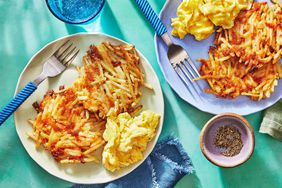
point(27, 25)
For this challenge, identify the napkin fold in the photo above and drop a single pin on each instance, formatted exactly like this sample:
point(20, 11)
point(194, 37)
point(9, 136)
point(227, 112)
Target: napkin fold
point(164, 167)
point(272, 121)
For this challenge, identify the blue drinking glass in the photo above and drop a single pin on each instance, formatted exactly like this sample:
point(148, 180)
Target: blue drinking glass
point(75, 11)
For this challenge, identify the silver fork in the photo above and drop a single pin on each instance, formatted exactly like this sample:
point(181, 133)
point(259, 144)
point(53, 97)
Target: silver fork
point(54, 65)
point(178, 57)
point(180, 60)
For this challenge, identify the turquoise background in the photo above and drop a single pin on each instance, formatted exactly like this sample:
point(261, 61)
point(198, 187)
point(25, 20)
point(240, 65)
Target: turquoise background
point(27, 25)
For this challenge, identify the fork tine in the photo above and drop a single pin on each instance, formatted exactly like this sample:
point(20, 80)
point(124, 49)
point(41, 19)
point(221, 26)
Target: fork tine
point(67, 55)
point(185, 72)
point(64, 52)
point(185, 82)
point(191, 72)
point(193, 66)
point(181, 76)
point(57, 51)
point(187, 68)
point(72, 58)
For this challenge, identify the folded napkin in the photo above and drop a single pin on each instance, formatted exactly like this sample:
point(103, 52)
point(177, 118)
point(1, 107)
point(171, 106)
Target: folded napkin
point(272, 121)
point(165, 166)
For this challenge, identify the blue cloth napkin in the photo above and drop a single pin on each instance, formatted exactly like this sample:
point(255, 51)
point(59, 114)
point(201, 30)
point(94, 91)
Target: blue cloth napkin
point(165, 166)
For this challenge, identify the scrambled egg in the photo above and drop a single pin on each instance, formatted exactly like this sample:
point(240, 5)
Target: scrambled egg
point(223, 12)
point(127, 138)
point(191, 20)
point(198, 17)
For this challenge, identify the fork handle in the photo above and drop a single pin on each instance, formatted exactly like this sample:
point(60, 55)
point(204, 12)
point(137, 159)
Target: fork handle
point(17, 101)
point(151, 15)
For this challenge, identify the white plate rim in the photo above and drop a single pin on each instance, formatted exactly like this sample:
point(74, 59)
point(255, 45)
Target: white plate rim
point(161, 103)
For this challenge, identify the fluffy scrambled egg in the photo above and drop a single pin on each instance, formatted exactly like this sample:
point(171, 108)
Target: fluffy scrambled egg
point(198, 17)
point(191, 20)
point(127, 138)
point(223, 12)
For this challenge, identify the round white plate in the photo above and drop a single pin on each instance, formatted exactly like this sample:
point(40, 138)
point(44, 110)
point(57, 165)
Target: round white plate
point(89, 172)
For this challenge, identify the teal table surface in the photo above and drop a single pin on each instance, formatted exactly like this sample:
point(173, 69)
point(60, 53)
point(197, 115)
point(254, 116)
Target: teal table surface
point(27, 25)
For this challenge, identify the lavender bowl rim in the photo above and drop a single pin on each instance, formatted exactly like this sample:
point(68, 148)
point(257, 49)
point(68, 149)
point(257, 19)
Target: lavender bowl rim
point(227, 115)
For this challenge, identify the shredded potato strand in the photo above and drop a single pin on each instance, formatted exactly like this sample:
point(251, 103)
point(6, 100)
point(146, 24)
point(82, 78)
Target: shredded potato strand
point(246, 58)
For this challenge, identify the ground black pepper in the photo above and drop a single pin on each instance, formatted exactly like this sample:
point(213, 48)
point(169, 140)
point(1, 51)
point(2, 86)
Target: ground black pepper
point(229, 139)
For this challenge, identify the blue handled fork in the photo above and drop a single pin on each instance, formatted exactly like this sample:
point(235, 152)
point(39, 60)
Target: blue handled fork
point(178, 57)
point(55, 65)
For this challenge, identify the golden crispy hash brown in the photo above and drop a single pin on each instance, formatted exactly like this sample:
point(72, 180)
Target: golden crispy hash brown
point(64, 127)
point(71, 121)
point(245, 60)
point(110, 77)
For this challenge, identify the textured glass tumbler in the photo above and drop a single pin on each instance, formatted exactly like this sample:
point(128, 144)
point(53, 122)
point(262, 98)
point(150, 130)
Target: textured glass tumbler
point(75, 11)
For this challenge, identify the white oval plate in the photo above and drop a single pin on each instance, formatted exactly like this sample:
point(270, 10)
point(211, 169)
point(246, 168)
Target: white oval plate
point(78, 173)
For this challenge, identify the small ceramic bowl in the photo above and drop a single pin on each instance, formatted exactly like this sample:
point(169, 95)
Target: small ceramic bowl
point(213, 153)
